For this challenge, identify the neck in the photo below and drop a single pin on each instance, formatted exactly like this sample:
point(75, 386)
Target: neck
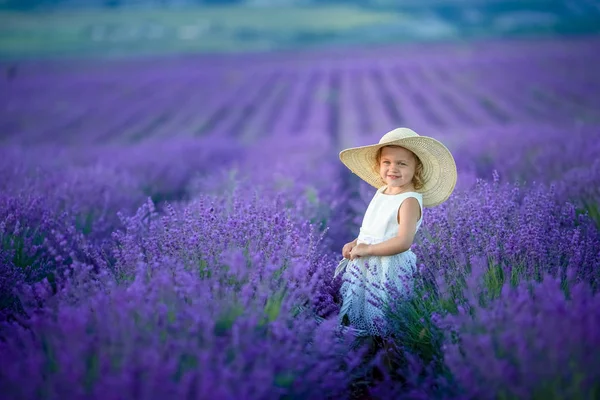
point(398, 190)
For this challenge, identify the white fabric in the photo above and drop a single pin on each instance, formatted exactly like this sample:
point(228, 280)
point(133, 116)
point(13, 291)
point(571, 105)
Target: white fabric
point(365, 278)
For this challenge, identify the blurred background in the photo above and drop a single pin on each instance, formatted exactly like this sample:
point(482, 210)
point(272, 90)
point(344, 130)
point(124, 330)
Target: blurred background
point(100, 71)
point(49, 28)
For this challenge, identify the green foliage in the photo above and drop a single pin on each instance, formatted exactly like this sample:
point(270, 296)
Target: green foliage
point(15, 245)
point(92, 371)
point(84, 222)
point(51, 364)
point(187, 362)
point(284, 379)
point(203, 270)
point(225, 321)
point(493, 280)
point(592, 209)
point(412, 322)
point(273, 306)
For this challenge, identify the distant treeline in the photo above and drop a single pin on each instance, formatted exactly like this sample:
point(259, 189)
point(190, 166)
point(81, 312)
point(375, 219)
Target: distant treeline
point(61, 4)
point(448, 5)
point(577, 15)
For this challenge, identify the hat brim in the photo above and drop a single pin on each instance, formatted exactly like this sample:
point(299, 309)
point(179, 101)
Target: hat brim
point(439, 167)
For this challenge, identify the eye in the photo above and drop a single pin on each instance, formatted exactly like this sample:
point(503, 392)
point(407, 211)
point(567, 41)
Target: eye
point(386, 162)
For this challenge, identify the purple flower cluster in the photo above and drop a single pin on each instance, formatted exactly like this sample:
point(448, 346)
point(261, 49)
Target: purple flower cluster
point(233, 284)
point(523, 228)
point(198, 298)
point(37, 240)
point(200, 266)
point(533, 341)
point(564, 155)
point(171, 333)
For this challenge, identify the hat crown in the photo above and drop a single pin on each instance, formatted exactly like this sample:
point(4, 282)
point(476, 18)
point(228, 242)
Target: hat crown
point(397, 134)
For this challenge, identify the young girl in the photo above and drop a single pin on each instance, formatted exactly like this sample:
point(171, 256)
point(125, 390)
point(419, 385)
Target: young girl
point(410, 172)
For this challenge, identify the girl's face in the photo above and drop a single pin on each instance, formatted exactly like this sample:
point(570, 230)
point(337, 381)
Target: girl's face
point(397, 168)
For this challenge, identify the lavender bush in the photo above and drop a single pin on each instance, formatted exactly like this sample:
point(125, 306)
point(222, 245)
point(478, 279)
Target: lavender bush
point(105, 179)
point(58, 204)
point(223, 277)
point(38, 240)
point(172, 333)
point(531, 153)
point(157, 247)
point(517, 345)
point(525, 229)
point(517, 236)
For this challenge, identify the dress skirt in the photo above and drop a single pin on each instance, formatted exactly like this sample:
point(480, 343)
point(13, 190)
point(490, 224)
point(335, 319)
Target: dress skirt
point(370, 285)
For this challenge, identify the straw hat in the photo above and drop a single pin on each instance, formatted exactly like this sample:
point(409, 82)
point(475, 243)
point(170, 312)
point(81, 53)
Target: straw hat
point(439, 168)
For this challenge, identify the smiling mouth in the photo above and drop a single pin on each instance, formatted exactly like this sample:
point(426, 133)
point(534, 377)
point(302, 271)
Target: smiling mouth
point(393, 176)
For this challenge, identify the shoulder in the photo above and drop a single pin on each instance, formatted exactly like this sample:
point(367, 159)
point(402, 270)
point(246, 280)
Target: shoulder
point(410, 203)
point(413, 197)
point(410, 206)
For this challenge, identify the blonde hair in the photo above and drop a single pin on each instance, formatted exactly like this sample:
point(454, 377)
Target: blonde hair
point(417, 179)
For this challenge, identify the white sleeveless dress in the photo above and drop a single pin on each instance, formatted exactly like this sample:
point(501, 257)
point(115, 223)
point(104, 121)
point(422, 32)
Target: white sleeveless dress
point(386, 277)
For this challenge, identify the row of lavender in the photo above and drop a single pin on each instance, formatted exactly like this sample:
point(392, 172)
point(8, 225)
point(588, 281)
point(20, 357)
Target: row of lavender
point(206, 293)
point(214, 294)
point(447, 90)
point(193, 297)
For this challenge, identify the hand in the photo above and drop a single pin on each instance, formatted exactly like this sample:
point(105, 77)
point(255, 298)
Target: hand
point(347, 249)
point(360, 250)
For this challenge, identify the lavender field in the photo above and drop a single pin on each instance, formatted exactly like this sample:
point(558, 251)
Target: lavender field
point(170, 226)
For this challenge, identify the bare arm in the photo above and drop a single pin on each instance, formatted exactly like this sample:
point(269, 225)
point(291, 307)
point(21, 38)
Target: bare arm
point(409, 214)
